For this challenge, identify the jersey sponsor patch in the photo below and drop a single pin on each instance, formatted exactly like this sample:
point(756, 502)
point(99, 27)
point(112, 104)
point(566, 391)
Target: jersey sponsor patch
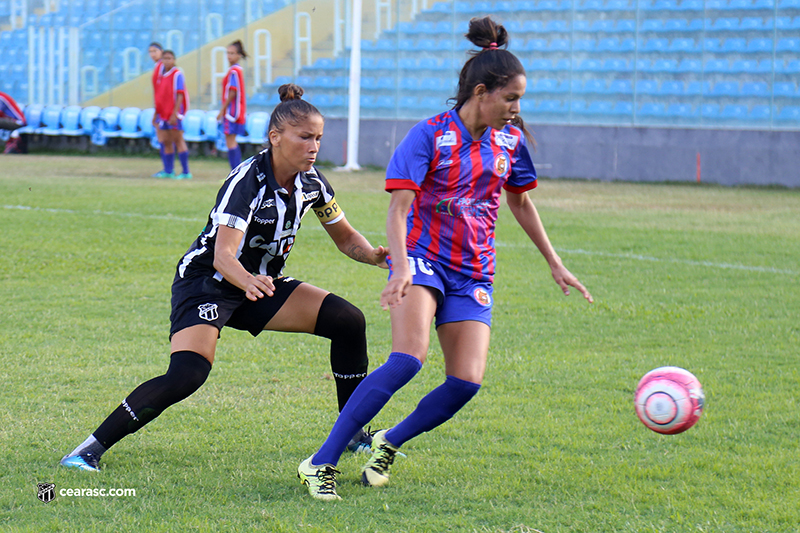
point(505, 140)
point(448, 139)
point(329, 213)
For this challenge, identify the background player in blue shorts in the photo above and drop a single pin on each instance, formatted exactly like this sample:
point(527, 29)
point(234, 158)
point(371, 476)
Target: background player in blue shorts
point(445, 178)
point(232, 275)
point(233, 113)
point(172, 102)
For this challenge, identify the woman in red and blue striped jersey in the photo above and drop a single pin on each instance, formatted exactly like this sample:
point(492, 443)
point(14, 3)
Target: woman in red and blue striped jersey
point(11, 119)
point(233, 114)
point(446, 179)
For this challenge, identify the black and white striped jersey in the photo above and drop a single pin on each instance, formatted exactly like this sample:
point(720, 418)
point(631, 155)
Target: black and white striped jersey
point(251, 200)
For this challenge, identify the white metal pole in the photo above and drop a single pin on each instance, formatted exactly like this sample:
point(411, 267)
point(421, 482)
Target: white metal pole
point(354, 101)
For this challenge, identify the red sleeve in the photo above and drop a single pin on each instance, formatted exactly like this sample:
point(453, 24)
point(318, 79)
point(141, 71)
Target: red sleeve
point(520, 190)
point(401, 184)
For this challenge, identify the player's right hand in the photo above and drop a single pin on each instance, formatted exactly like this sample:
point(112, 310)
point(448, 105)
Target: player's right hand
point(396, 289)
point(258, 287)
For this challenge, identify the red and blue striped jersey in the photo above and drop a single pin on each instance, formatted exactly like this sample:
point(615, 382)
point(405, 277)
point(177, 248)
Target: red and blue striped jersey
point(234, 80)
point(170, 85)
point(10, 109)
point(458, 181)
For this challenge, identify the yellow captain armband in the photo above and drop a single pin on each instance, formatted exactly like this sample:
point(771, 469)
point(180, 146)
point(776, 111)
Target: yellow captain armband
point(329, 213)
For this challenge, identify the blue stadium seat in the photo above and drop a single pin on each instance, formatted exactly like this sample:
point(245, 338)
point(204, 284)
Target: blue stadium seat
point(652, 109)
point(620, 87)
point(551, 107)
point(595, 86)
point(788, 44)
point(789, 114)
point(712, 45)
point(785, 89)
point(745, 66)
point(618, 5)
point(759, 46)
point(755, 89)
point(210, 125)
point(146, 123)
point(790, 67)
point(736, 45)
point(590, 65)
point(671, 88)
point(683, 45)
point(760, 113)
point(665, 65)
point(711, 111)
point(71, 121)
point(655, 45)
point(578, 107)
point(698, 88)
point(590, 5)
point(193, 126)
point(88, 114)
point(652, 25)
point(51, 120)
point(584, 45)
point(734, 112)
point(724, 24)
point(557, 26)
point(690, 65)
point(256, 127)
point(559, 45)
point(717, 66)
point(129, 123)
point(623, 108)
point(681, 111)
point(545, 85)
point(646, 87)
point(626, 26)
point(725, 88)
point(581, 25)
point(533, 65)
point(755, 24)
point(603, 26)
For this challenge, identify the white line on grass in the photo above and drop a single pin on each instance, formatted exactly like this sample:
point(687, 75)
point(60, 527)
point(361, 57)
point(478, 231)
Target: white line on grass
point(710, 264)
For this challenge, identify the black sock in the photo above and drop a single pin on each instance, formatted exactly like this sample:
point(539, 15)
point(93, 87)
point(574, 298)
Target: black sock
point(344, 324)
point(187, 372)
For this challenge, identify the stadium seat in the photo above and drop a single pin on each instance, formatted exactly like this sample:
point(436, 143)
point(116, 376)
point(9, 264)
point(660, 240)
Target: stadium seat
point(690, 65)
point(652, 109)
point(710, 111)
point(682, 45)
point(146, 122)
point(551, 107)
point(725, 88)
point(129, 123)
point(734, 112)
point(211, 126)
point(33, 117)
point(109, 118)
point(595, 87)
point(257, 123)
point(671, 88)
point(755, 89)
point(88, 114)
point(681, 111)
point(760, 113)
point(71, 121)
point(759, 46)
point(545, 85)
point(655, 45)
point(789, 114)
point(600, 107)
point(51, 120)
point(620, 87)
point(736, 45)
point(788, 44)
point(193, 126)
point(785, 89)
point(623, 108)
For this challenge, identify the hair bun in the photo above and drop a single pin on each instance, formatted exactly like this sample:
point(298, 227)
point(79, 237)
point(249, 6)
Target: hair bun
point(485, 33)
point(290, 91)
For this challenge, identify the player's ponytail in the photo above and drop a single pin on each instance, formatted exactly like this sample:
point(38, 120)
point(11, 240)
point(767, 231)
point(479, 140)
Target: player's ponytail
point(492, 65)
point(239, 48)
point(292, 109)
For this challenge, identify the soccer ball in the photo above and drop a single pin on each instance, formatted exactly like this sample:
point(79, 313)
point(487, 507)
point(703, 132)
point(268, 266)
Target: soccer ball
point(669, 400)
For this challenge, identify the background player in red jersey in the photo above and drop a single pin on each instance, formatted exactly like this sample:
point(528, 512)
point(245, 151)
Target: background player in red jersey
point(445, 178)
point(155, 50)
point(232, 276)
point(11, 119)
point(172, 101)
point(233, 115)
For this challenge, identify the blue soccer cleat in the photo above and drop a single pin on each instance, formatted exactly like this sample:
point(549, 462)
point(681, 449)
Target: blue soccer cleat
point(84, 462)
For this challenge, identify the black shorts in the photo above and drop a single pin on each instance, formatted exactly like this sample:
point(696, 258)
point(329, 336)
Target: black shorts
point(201, 299)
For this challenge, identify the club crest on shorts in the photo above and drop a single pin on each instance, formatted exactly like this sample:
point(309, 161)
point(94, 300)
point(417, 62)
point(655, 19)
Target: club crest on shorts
point(47, 492)
point(482, 297)
point(501, 164)
point(208, 312)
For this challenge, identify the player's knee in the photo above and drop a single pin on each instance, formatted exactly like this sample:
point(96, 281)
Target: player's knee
point(339, 319)
point(187, 372)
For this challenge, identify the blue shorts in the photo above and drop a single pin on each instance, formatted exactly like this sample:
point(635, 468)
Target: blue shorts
point(164, 125)
point(233, 128)
point(459, 297)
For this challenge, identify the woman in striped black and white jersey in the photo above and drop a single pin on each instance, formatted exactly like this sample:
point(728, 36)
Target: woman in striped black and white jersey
point(232, 275)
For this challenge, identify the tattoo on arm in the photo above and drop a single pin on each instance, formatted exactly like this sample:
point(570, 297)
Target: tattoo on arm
point(357, 253)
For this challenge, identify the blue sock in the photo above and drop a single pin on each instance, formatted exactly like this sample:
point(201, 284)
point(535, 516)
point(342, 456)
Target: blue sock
point(436, 408)
point(184, 159)
point(368, 398)
point(234, 156)
point(169, 163)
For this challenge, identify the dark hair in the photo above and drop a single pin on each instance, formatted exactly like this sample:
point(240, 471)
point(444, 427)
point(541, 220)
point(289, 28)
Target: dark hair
point(492, 65)
point(155, 45)
point(170, 52)
point(292, 109)
point(239, 48)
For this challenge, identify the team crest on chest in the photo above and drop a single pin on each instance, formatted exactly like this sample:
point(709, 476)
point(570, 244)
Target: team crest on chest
point(501, 164)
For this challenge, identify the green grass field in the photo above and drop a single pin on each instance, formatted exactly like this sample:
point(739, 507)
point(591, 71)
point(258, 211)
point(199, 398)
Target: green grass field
point(701, 277)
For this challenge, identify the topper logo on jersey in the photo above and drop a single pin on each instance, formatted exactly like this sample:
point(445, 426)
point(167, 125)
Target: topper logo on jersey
point(448, 139)
point(208, 312)
point(308, 196)
point(505, 140)
point(270, 202)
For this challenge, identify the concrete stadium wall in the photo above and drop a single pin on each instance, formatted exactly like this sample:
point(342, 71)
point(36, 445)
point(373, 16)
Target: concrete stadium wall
point(727, 157)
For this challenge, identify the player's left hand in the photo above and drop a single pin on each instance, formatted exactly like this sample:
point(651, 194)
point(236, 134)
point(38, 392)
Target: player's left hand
point(173, 120)
point(564, 278)
point(379, 255)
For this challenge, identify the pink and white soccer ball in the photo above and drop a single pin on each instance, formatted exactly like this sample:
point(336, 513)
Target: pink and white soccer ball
point(669, 400)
